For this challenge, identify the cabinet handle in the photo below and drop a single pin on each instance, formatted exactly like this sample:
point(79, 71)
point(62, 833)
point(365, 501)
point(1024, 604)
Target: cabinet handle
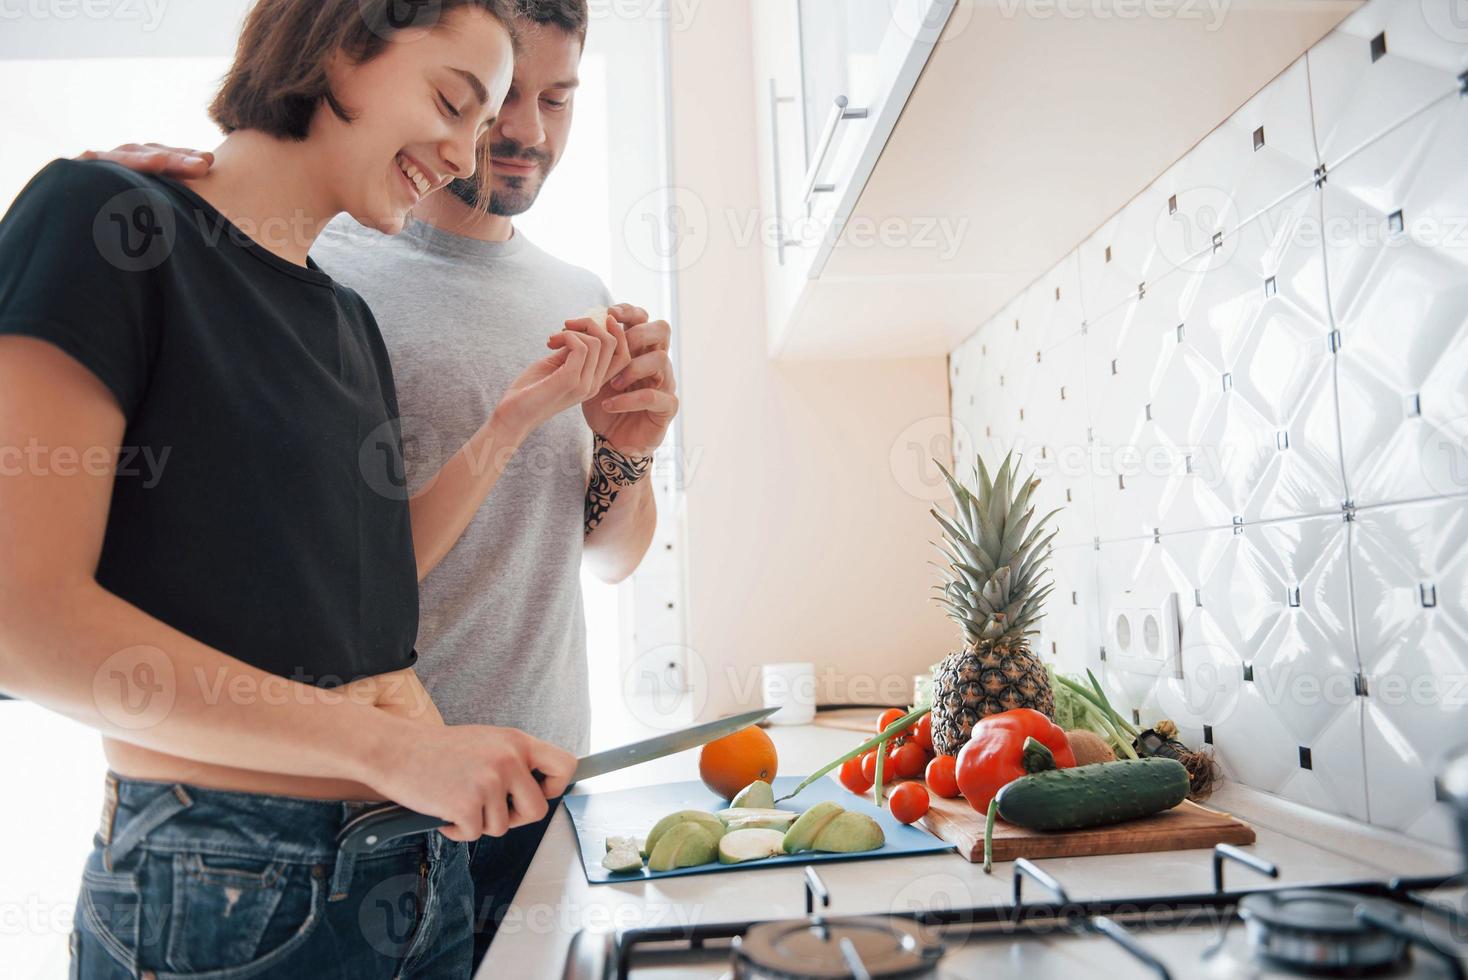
point(781, 242)
point(839, 111)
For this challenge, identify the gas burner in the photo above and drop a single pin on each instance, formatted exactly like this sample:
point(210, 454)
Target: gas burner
point(1367, 928)
point(855, 947)
point(1324, 933)
point(859, 947)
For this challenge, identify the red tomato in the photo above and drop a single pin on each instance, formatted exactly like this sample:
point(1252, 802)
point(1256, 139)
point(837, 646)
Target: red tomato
point(852, 777)
point(923, 733)
point(888, 717)
point(909, 801)
point(869, 766)
point(941, 776)
point(908, 760)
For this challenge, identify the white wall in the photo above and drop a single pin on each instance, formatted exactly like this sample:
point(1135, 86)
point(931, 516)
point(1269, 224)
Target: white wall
point(805, 541)
point(1271, 428)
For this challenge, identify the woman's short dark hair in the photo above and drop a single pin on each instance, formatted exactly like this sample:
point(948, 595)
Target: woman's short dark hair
point(278, 78)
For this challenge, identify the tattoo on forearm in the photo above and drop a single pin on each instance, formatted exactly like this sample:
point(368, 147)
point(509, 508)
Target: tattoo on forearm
point(611, 472)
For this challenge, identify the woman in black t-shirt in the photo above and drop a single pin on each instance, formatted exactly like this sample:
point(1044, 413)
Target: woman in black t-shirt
point(207, 550)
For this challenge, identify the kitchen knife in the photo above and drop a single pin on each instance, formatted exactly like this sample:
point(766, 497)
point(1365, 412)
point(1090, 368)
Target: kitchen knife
point(372, 829)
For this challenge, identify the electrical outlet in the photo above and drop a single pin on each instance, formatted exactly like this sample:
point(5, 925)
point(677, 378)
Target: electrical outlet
point(1145, 638)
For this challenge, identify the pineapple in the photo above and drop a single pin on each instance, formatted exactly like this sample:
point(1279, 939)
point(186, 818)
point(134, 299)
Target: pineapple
point(992, 589)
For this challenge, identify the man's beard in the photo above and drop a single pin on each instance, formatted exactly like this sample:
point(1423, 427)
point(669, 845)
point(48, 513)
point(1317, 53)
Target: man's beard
point(506, 203)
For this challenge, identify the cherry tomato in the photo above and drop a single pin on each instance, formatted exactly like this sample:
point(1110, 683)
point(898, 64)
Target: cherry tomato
point(888, 717)
point(909, 801)
point(852, 777)
point(908, 760)
point(923, 733)
point(869, 766)
point(941, 776)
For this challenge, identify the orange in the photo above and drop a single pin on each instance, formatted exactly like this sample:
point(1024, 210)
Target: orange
point(727, 765)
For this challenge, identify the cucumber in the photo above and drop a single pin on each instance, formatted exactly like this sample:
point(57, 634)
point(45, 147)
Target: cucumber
point(1089, 796)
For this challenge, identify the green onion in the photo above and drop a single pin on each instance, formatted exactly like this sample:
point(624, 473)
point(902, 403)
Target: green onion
point(1091, 705)
point(877, 785)
point(1120, 722)
point(989, 837)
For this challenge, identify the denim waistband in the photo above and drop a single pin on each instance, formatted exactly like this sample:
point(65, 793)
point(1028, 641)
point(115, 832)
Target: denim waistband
point(180, 817)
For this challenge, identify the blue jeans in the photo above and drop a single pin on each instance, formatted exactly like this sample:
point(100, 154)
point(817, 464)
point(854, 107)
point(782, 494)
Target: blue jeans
point(188, 882)
point(498, 865)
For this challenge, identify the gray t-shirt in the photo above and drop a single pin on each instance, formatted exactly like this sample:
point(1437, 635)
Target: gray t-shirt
point(502, 635)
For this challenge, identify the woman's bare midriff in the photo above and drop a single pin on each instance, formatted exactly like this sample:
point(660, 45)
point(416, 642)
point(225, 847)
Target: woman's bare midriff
point(399, 693)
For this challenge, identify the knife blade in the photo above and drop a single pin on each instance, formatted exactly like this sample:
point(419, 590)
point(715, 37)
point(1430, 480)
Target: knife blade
point(373, 829)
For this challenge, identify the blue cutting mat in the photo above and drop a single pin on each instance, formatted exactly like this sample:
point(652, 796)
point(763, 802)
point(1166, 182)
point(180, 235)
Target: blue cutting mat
point(632, 812)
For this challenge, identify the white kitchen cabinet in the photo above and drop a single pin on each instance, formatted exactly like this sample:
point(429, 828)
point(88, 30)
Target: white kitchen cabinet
point(833, 76)
point(996, 137)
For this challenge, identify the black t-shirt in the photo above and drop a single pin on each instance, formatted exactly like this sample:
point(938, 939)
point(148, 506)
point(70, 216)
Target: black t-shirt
point(259, 503)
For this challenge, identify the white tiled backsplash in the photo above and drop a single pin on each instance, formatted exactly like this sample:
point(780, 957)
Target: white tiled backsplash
point(1249, 389)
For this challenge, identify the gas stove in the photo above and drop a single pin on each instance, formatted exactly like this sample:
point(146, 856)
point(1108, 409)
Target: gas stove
point(1404, 927)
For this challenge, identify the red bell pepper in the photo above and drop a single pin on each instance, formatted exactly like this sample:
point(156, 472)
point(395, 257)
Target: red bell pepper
point(996, 753)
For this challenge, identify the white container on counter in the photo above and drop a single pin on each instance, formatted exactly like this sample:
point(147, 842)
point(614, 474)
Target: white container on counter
point(791, 687)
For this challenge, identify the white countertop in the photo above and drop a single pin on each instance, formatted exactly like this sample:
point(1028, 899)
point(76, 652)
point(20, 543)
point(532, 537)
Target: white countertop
point(555, 900)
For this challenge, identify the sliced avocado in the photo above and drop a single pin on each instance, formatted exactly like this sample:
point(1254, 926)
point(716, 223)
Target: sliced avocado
point(763, 821)
point(682, 846)
point(803, 832)
point(849, 832)
point(621, 859)
point(746, 812)
point(714, 824)
point(757, 794)
point(752, 844)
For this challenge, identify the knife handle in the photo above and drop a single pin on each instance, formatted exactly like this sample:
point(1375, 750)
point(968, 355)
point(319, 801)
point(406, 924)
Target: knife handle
point(371, 830)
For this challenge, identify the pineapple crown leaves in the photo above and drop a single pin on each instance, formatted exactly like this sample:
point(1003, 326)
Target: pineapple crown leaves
point(996, 554)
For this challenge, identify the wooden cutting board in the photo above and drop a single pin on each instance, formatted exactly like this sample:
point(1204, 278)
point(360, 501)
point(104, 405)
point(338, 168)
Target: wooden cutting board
point(1188, 825)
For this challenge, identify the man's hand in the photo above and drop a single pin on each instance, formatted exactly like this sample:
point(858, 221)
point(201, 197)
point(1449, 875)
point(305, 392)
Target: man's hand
point(155, 158)
point(637, 404)
point(584, 355)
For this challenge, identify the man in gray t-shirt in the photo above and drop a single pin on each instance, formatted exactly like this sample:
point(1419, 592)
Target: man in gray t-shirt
point(501, 637)
point(465, 304)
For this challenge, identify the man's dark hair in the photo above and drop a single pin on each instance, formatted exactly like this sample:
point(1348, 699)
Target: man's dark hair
point(570, 16)
point(278, 78)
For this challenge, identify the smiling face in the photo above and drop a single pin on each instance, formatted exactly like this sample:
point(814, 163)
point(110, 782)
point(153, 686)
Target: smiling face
point(419, 108)
point(527, 140)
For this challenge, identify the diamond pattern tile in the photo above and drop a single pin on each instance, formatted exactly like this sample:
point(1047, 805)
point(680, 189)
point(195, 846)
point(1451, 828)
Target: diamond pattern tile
point(1357, 99)
point(1070, 620)
point(1127, 251)
point(1411, 573)
point(1265, 414)
point(1400, 300)
point(1227, 180)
